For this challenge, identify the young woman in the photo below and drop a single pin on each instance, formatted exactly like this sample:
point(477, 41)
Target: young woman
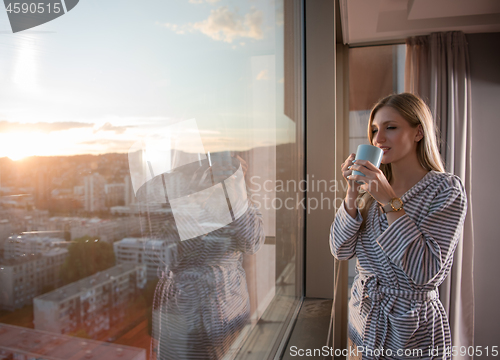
point(403, 224)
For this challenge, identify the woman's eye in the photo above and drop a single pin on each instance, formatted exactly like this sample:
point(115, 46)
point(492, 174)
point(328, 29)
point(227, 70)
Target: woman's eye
point(388, 128)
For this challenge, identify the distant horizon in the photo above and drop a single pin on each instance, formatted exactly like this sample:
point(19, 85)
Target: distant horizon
point(12, 149)
point(126, 153)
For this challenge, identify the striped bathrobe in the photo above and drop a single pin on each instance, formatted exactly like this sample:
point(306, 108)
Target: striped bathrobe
point(394, 303)
point(201, 302)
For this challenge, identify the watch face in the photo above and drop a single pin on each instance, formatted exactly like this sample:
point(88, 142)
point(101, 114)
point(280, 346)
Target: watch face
point(397, 204)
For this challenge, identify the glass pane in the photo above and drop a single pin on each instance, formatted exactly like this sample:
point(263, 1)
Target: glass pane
point(374, 72)
point(143, 152)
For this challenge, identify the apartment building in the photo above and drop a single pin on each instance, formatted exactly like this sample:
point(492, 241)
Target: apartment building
point(94, 193)
point(115, 194)
point(137, 208)
point(22, 219)
point(5, 229)
point(28, 244)
point(154, 254)
point(23, 278)
point(106, 230)
point(95, 303)
point(62, 223)
point(128, 191)
point(22, 344)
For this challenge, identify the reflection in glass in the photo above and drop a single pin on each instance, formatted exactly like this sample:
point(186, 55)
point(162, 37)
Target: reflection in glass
point(201, 301)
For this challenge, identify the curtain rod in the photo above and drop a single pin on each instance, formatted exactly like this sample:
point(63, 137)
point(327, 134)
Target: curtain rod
point(378, 43)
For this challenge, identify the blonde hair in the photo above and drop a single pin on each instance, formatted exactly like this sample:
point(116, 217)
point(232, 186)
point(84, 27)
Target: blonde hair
point(416, 112)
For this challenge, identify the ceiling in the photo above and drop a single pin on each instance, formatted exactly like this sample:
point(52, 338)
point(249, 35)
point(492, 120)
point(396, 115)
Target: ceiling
point(368, 21)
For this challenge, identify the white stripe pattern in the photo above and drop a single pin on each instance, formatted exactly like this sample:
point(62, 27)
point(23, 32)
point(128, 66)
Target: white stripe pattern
point(201, 302)
point(394, 299)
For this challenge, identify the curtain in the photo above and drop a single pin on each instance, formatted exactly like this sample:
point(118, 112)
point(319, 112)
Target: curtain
point(437, 69)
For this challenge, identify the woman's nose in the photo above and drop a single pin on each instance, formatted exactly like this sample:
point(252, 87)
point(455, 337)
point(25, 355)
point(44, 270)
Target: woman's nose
point(379, 137)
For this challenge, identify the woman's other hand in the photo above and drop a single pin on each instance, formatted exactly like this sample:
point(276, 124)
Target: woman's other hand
point(352, 187)
point(347, 170)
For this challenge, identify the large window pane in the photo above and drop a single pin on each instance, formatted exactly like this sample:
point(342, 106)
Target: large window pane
point(149, 170)
point(374, 72)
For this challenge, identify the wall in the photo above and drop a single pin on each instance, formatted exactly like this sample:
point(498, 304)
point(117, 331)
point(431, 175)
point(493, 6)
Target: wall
point(370, 76)
point(485, 77)
point(320, 143)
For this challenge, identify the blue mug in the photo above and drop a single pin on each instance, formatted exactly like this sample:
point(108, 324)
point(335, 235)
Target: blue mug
point(371, 153)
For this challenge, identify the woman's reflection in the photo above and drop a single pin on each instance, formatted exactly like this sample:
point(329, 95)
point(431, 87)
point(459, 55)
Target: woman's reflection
point(201, 302)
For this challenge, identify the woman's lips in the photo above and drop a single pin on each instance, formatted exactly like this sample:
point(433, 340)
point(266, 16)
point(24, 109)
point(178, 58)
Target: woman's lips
point(385, 149)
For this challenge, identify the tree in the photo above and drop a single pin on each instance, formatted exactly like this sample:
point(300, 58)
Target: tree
point(86, 256)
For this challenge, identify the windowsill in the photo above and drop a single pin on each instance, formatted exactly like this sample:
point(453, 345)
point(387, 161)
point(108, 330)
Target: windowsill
point(311, 328)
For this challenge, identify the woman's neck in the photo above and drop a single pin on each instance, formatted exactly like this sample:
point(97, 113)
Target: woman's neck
point(405, 174)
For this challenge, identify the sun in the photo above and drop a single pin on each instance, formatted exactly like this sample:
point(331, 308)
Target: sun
point(16, 154)
point(16, 157)
point(17, 146)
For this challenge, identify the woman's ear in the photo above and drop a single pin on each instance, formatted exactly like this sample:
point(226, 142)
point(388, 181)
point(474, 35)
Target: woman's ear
point(420, 133)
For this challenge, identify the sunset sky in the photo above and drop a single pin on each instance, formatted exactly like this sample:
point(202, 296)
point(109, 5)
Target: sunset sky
point(108, 73)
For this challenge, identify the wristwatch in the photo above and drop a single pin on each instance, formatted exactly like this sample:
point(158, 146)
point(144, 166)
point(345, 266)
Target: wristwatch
point(395, 204)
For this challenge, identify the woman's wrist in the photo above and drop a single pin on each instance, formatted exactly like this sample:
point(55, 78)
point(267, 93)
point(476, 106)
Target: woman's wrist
point(350, 202)
point(353, 189)
point(351, 195)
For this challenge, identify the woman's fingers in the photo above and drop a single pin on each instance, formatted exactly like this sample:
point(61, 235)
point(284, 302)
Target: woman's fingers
point(374, 181)
point(347, 162)
point(347, 170)
point(355, 177)
point(362, 169)
point(367, 164)
point(365, 167)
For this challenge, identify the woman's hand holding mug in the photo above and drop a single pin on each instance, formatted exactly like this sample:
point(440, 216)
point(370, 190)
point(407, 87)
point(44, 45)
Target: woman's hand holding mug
point(374, 180)
point(347, 171)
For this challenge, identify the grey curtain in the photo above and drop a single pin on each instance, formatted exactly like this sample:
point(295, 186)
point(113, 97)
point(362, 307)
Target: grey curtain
point(437, 69)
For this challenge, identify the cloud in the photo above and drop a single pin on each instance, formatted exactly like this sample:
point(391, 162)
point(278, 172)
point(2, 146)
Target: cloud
point(108, 127)
point(176, 28)
point(225, 25)
point(45, 127)
point(262, 75)
point(101, 146)
point(108, 142)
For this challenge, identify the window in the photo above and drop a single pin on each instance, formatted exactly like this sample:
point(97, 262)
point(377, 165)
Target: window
point(219, 82)
point(374, 72)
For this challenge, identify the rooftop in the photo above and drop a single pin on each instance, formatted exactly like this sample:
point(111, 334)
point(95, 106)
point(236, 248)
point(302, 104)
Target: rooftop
point(32, 257)
point(34, 238)
point(87, 283)
point(36, 343)
point(140, 242)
